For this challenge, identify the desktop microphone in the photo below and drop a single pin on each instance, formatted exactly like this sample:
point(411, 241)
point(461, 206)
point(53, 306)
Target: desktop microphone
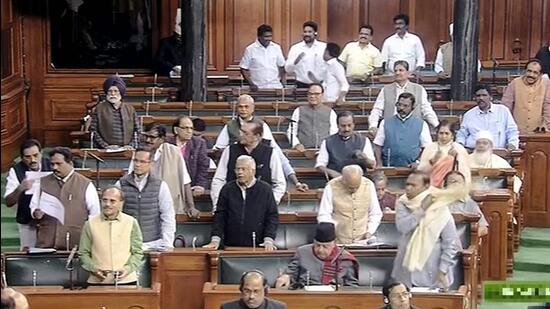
point(71, 258)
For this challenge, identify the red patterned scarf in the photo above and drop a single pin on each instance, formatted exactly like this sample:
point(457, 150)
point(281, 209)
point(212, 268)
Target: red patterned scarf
point(329, 265)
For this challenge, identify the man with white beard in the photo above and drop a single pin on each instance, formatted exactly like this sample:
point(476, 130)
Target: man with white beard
point(114, 124)
point(483, 156)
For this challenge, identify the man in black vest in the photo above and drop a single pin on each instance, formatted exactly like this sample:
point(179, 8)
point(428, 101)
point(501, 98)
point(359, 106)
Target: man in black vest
point(18, 183)
point(268, 165)
point(147, 198)
point(346, 147)
point(246, 212)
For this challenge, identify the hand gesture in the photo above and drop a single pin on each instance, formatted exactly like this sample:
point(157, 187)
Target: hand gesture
point(212, 245)
point(268, 246)
point(453, 151)
point(442, 280)
point(282, 282)
point(300, 148)
point(38, 214)
point(26, 184)
point(193, 213)
point(197, 190)
point(302, 187)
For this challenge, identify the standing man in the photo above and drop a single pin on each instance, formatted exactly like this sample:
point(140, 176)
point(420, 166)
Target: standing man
point(384, 106)
point(114, 123)
point(311, 123)
point(148, 199)
point(254, 289)
point(169, 56)
point(16, 185)
point(263, 63)
point(246, 211)
point(486, 116)
point(169, 165)
point(335, 82)
point(428, 244)
point(266, 158)
point(344, 148)
point(361, 57)
point(110, 245)
point(194, 152)
point(350, 202)
point(307, 56)
point(401, 138)
point(444, 58)
point(544, 56)
point(403, 45)
point(531, 92)
point(63, 203)
point(320, 263)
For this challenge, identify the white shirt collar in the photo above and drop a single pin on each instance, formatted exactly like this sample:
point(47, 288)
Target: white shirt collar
point(66, 177)
point(404, 86)
point(248, 186)
point(332, 60)
point(258, 44)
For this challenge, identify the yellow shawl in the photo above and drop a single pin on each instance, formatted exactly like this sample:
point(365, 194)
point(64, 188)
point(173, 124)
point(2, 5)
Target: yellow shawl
point(427, 232)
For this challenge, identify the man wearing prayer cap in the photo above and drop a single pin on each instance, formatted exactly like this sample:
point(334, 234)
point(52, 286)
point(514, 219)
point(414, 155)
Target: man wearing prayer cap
point(170, 53)
point(114, 124)
point(483, 156)
point(320, 263)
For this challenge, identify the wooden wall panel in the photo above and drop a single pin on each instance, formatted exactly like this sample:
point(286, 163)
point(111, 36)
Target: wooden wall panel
point(13, 112)
point(431, 28)
point(379, 14)
point(344, 26)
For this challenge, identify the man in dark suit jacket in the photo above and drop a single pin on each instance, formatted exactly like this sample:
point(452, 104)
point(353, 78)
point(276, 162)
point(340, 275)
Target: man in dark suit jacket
point(194, 153)
point(254, 289)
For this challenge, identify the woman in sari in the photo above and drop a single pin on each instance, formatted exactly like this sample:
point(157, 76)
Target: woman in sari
point(444, 155)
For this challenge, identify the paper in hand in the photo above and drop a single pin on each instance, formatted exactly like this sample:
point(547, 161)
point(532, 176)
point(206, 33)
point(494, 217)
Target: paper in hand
point(35, 176)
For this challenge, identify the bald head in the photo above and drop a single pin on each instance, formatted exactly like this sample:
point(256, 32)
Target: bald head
point(352, 176)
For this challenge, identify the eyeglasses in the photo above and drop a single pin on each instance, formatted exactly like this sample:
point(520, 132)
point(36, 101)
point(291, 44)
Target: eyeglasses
point(151, 136)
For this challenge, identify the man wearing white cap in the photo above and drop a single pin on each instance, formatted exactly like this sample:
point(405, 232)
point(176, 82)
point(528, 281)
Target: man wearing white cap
point(444, 58)
point(483, 156)
point(170, 53)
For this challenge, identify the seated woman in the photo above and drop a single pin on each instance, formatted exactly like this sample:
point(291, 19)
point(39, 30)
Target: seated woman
point(442, 156)
point(465, 205)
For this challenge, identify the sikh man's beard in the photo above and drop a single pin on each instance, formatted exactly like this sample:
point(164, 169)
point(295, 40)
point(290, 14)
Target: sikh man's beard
point(482, 157)
point(114, 99)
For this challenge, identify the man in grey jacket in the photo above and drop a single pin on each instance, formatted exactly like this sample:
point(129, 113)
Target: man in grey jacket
point(436, 271)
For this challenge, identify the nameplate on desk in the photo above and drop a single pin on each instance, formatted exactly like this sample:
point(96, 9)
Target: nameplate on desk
point(319, 288)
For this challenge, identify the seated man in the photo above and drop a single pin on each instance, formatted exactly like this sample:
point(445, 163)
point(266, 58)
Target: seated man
point(386, 199)
point(401, 138)
point(528, 98)
point(267, 162)
point(114, 123)
point(361, 57)
point(148, 199)
point(397, 296)
point(246, 210)
point(465, 205)
point(313, 122)
point(63, 203)
point(18, 183)
point(169, 57)
point(194, 152)
point(315, 264)
point(486, 116)
point(231, 134)
point(169, 165)
point(384, 106)
point(254, 289)
point(428, 245)
point(344, 148)
point(263, 63)
point(112, 229)
point(350, 202)
point(483, 156)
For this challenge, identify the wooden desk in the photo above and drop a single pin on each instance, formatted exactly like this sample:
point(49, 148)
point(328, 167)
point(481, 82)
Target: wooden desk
point(535, 165)
point(496, 257)
point(215, 295)
point(53, 297)
point(183, 273)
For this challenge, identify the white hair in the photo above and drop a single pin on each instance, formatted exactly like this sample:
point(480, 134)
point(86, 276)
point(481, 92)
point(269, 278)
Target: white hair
point(246, 97)
point(248, 159)
point(352, 169)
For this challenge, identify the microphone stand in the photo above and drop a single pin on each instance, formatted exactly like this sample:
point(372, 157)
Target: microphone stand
point(97, 160)
point(336, 260)
point(70, 267)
